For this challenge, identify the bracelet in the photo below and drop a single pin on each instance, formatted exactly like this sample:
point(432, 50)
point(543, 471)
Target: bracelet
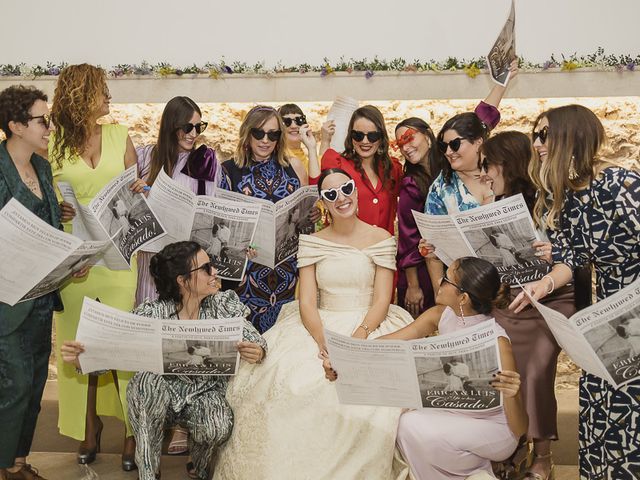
point(365, 328)
point(553, 284)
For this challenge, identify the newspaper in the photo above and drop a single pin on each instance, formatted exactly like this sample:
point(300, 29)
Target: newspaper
point(116, 214)
point(501, 233)
point(503, 51)
point(117, 340)
point(224, 228)
point(280, 223)
point(37, 258)
point(450, 371)
point(603, 339)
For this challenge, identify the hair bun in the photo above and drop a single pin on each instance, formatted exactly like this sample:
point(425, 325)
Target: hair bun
point(503, 297)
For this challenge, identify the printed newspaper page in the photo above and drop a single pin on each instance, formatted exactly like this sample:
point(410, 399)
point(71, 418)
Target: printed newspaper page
point(441, 232)
point(603, 339)
point(125, 216)
point(502, 233)
point(503, 51)
point(31, 249)
point(454, 370)
point(201, 347)
point(117, 340)
point(292, 219)
point(174, 205)
point(225, 229)
point(373, 372)
point(450, 371)
point(280, 224)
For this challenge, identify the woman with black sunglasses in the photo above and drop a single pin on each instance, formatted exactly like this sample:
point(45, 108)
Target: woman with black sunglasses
point(262, 169)
point(25, 328)
point(591, 211)
point(289, 423)
point(366, 158)
point(188, 289)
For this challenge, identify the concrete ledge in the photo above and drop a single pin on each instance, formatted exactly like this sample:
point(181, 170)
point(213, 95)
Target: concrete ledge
point(383, 86)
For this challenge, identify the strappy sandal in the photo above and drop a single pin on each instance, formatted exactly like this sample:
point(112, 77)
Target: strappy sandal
point(536, 476)
point(178, 446)
point(514, 467)
point(191, 471)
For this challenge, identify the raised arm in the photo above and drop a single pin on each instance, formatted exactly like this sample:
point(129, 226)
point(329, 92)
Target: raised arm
point(421, 327)
point(497, 92)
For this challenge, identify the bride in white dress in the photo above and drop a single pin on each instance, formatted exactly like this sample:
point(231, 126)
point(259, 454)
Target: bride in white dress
point(288, 422)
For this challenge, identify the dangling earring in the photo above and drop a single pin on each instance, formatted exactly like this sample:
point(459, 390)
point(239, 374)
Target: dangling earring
point(464, 323)
point(380, 150)
point(573, 174)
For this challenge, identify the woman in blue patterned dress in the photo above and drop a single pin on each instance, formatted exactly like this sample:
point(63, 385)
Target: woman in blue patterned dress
point(261, 169)
point(591, 210)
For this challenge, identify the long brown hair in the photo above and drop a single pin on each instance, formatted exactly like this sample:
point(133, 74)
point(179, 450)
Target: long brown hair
point(511, 150)
point(423, 177)
point(574, 138)
point(176, 113)
point(78, 95)
point(256, 118)
point(381, 156)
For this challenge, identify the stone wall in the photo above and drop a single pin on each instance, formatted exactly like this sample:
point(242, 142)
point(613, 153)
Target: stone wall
point(620, 116)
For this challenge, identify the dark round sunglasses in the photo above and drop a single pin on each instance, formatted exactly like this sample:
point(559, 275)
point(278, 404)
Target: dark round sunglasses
point(454, 144)
point(331, 194)
point(541, 134)
point(299, 120)
point(273, 135)
point(46, 119)
point(208, 267)
point(200, 127)
point(358, 136)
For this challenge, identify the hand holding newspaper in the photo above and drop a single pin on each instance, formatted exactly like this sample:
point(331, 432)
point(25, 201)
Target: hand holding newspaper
point(117, 340)
point(449, 371)
point(603, 339)
point(118, 215)
point(37, 258)
point(501, 233)
point(503, 51)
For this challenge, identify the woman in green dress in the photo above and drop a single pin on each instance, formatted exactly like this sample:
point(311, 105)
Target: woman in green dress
point(87, 155)
point(25, 328)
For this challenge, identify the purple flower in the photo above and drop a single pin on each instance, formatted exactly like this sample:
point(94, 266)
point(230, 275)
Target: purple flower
point(368, 74)
point(117, 72)
point(547, 65)
point(324, 72)
point(631, 66)
point(227, 69)
point(53, 71)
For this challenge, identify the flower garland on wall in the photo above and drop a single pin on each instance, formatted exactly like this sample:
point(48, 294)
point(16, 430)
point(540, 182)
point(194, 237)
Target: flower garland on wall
point(598, 60)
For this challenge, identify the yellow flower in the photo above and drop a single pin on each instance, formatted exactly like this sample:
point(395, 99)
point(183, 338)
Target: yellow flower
point(164, 71)
point(569, 65)
point(472, 70)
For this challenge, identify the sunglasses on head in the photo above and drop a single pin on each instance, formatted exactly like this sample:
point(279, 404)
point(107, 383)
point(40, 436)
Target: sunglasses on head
point(200, 127)
point(208, 267)
point(358, 136)
point(454, 144)
point(46, 119)
point(299, 120)
point(331, 194)
point(273, 135)
point(541, 134)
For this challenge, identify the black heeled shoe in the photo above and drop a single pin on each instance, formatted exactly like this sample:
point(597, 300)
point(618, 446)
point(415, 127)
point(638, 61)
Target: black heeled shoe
point(129, 459)
point(86, 456)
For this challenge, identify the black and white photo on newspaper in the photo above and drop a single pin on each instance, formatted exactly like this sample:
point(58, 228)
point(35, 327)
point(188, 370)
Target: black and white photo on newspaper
point(119, 340)
point(503, 51)
point(450, 371)
point(604, 338)
point(117, 214)
point(291, 222)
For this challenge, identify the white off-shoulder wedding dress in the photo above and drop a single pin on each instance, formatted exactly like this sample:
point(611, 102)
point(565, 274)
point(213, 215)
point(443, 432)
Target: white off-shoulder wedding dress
point(288, 423)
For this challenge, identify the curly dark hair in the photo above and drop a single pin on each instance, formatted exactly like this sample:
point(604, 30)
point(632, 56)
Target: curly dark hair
point(470, 127)
point(173, 261)
point(15, 103)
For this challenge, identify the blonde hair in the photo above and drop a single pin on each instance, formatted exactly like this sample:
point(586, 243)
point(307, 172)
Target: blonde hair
point(574, 138)
point(256, 118)
point(78, 95)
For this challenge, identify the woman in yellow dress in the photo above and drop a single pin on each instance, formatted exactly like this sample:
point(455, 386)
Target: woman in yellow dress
point(87, 156)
